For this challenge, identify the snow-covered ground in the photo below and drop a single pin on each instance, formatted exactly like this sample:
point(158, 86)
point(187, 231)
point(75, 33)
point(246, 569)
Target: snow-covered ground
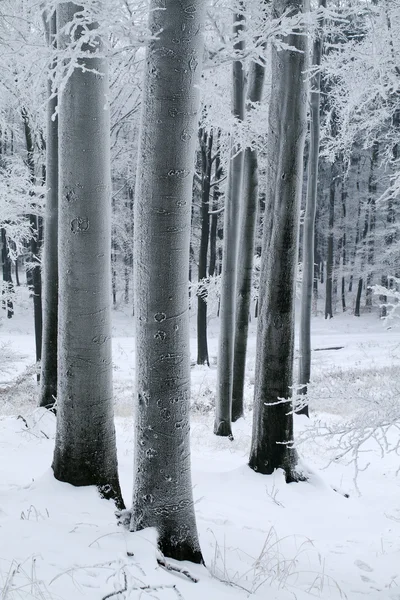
point(332, 537)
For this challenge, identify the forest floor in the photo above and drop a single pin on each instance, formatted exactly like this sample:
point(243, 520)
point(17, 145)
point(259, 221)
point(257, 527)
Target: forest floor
point(335, 536)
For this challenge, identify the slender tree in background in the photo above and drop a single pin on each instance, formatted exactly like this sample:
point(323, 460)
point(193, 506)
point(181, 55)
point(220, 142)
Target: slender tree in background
point(36, 239)
point(309, 217)
point(6, 262)
point(7, 278)
point(246, 245)
point(48, 382)
point(223, 405)
point(206, 144)
point(272, 438)
point(162, 495)
point(329, 257)
point(85, 450)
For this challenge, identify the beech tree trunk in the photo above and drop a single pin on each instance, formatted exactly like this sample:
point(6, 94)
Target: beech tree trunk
point(48, 382)
point(223, 405)
point(309, 221)
point(271, 445)
point(85, 450)
point(246, 255)
point(162, 492)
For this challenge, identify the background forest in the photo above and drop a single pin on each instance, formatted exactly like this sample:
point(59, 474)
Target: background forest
point(199, 208)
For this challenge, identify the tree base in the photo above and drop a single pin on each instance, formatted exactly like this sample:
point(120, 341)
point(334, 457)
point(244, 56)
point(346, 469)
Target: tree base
point(168, 543)
point(223, 429)
point(287, 463)
point(180, 551)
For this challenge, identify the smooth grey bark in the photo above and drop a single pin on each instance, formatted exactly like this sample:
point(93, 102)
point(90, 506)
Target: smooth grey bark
point(85, 450)
point(162, 492)
point(246, 245)
point(48, 380)
point(223, 404)
point(272, 437)
point(309, 218)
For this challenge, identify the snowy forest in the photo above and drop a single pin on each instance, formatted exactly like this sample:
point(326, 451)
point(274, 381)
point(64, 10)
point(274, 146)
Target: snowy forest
point(199, 341)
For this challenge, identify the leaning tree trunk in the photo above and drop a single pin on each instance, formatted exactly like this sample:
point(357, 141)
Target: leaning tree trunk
point(246, 255)
point(309, 221)
point(48, 382)
point(272, 439)
point(85, 450)
point(223, 405)
point(162, 496)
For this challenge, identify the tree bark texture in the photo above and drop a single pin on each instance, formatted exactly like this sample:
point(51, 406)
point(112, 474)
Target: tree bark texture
point(272, 438)
point(48, 382)
point(85, 450)
point(223, 405)
point(309, 220)
point(248, 214)
point(162, 494)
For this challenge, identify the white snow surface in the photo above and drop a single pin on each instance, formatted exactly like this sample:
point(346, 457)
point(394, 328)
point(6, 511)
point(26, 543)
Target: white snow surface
point(260, 537)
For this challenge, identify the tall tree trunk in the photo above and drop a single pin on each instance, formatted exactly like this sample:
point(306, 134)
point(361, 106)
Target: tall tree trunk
point(35, 242)
point(329, 257)
point(344, 239)
point(206, 144)
point(7, 278)
point(17, 272)
point(218, 172)
point(358, 298)
point(162, 496)
point(85, 450)
point(113, 257)
point(357, 240)
point(317, 267)
point(372, 188)
point(364, 254)
point(48, 384)
point(309, 221)
point(246, 255)
point(272, 438)
point(223, 405)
